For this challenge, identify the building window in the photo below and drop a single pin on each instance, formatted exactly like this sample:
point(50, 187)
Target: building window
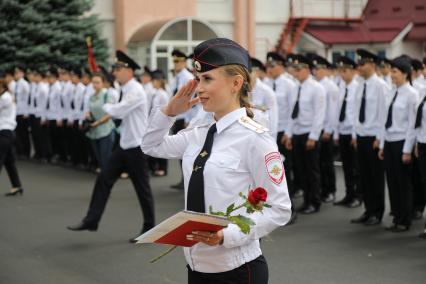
point(381, 53)
point(335, 55)
point(350, 54)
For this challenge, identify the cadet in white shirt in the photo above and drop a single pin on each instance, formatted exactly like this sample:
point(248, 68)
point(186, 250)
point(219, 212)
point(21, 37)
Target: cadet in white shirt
point(419, 196)
point(282, 86)
point(132, 110)
point(158, 166)
point(384, 68)
point(11, 83)
point(222, 158)
point(420, 129)
point(182, 76)
point(78, 143)
point(344, 132)
point(32, 105)
point(40, 113)
point(7, 138)
point(370, 111)
point(328, 175)
point(308, 110)
point(263, 97)
point(397, 144)
point(146, 80)
point(66, 130)
point(22, 92)
point(54, 114)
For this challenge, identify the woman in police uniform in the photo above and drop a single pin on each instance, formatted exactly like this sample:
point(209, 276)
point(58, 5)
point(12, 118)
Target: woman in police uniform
point(222, 157)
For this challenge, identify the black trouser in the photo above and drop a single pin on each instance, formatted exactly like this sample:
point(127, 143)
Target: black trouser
point(157, 164)
point(419, 198)
point(23, 145)
point(350, 167)
point(290, 175)
point(307, 164)
point(35, 134)
point(134, 162)
point(372, 177)
point(328, 175)
point(398, 177)
point(55, 138)
point(45, 141)
point(422, 166)
point(7, 157)
point(253, 272)
point(65, 133)
point(79, 149)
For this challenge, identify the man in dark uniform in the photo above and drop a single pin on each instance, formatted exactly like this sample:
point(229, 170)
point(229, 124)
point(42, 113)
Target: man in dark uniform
point(132, 109)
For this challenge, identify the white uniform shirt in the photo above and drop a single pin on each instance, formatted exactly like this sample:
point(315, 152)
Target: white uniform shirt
point(331, 116)
point(149, 91)
point(32, 98)
point(346, 127)
point(420, 85)
point(41, 100)
point(67, 97)
point(240, 159)
point(12, 87)
point(88, 93)
point(264, 97)
point(54, 109)
point(113, 93)
point(22, 91)
point(403, 117)
point(77, 104)
point(159, 99)
point(375, 110)
point(133, 111)
point(388, 80)
point(7, 112)
point(312, 107)
point(283, 89)
point(421, 131)
point(180, 80)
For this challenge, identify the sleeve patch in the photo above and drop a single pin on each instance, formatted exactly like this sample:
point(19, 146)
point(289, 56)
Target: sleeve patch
point(274, 167)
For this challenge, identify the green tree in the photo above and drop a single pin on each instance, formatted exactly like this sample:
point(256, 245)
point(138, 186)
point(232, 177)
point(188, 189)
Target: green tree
point(38, 33)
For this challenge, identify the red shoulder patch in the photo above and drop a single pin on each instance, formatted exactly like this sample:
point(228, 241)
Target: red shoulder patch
point(274, 167)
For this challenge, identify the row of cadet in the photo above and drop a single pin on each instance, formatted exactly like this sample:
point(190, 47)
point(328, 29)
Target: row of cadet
point(368, 108)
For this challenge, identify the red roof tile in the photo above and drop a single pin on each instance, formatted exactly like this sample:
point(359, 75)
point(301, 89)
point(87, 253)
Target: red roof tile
point(382, 21)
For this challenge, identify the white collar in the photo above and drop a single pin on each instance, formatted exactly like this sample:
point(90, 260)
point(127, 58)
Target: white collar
point(229, 119)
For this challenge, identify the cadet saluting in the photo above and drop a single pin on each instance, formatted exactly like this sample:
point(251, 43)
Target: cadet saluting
point(132, 110)
point(237, 154)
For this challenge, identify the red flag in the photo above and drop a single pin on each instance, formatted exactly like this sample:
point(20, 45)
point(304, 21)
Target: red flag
point(90, 56)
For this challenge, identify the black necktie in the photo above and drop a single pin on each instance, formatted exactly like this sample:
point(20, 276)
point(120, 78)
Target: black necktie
point(48, 98)
point(363, 102)
point(389, 119)
point(274, 86)
point(29, 96)
point(195, 197)
point(343, 109)
point(121, 96)
point(419, 114)
point(295, 111)
point(177, 86)
point(35, 98)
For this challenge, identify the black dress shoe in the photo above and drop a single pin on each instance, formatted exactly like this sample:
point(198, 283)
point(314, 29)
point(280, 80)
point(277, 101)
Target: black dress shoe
point(310, 210)
point(354, 203)
point(328, 198)
point(401, 228)
point(178, 186)
point(342, 202)
point(19, 191)
point(293, 218)
point(422, 235)
point(390, 228)
point(145, 229)
point(360, 219)
point(373, 220)
point(301, 207)
point(83, 226)
point(417, 215)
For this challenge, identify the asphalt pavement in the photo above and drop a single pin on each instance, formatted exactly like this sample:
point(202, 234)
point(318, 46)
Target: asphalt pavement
point(36, 247)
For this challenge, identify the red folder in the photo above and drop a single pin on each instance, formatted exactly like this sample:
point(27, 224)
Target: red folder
point(173, 231)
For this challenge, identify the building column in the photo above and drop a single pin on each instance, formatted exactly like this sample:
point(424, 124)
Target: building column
point(119, 24)
point(245, 24)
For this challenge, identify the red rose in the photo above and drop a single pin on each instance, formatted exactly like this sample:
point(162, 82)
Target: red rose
point(256, 196)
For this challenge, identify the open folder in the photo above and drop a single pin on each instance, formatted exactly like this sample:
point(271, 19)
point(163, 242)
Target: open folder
point(173, 231)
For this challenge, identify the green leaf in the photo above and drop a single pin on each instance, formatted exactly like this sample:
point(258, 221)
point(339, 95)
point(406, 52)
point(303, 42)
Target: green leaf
point(267, 205)
point(229, 209)
point(250, 210)
point(215, 213)
point(243, 223)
